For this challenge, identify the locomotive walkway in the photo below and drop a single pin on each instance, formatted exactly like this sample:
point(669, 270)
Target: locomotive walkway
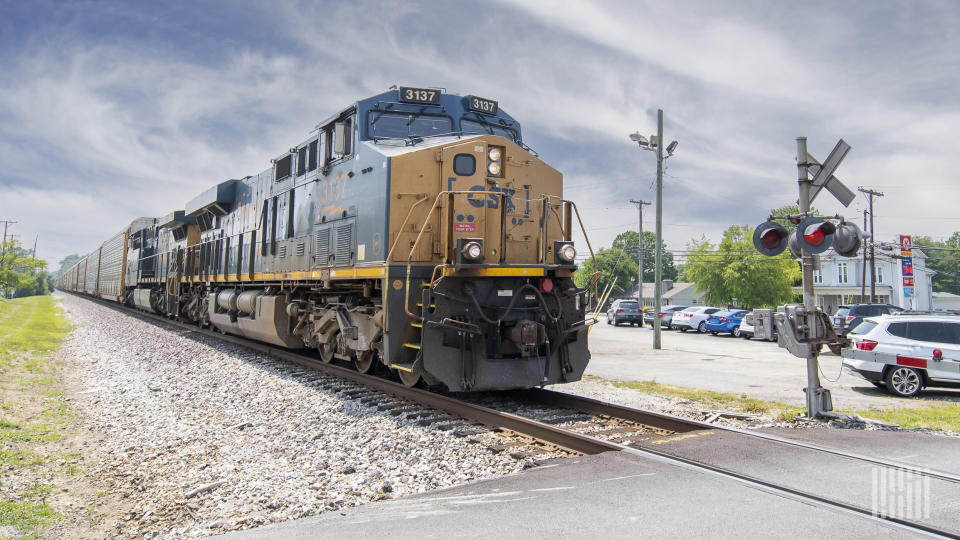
point(620, 495)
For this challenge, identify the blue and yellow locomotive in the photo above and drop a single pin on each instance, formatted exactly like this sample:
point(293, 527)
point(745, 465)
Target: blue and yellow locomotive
point(412, 230)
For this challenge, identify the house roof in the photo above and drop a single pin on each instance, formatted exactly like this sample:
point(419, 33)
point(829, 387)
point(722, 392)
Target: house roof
point(678, 287)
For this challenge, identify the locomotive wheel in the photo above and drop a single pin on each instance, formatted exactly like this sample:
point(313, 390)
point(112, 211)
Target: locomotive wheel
point(328, 349)
point(409, 378)
point(364, 360)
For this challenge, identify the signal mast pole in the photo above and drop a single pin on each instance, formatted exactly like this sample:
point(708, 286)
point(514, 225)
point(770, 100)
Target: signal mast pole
point(813, 389)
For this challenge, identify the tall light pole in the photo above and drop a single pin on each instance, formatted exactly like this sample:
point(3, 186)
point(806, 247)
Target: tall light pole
point(640, 230)
point(655, 144)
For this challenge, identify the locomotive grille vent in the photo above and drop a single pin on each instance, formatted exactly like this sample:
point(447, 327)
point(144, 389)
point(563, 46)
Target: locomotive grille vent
point(344, 244)
point(300, 249)
point(321, 247)
point(283, 251)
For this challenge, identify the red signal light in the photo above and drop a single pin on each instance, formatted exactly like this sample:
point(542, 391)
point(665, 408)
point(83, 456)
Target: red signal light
point(815, 238)
point(724, 319)
point(619, 310)
point(937, 354)
point(770, 239)
point(866, 345)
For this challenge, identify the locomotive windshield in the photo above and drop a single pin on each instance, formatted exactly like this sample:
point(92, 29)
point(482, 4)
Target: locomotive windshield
point(472, 127)
point(403, 125)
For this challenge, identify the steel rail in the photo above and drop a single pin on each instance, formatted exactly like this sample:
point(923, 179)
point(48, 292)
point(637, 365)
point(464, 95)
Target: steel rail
point(558, 436)
point(680, 425)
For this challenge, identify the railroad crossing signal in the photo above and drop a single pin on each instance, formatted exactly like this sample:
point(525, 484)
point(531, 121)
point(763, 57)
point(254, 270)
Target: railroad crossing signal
point(770, 238)
point(814, 235)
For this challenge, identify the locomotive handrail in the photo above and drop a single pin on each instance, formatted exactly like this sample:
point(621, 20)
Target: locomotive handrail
point(413, 248)
point(404, 224)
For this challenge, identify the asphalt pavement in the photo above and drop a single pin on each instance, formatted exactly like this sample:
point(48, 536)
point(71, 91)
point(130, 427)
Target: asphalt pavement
point(620, 495)
point(759, 369)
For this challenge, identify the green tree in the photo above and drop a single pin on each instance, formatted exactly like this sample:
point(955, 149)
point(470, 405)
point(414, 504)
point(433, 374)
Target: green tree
point(734, 269)
point(66, 263)
point(627, 242)
point(18, 270)
point(613, 264)
point(945, 261)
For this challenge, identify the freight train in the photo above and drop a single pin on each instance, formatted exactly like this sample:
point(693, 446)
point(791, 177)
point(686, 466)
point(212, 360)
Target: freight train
point(412, 230)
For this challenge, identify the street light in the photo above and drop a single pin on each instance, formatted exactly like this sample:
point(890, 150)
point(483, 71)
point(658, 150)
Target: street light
point(653, 144)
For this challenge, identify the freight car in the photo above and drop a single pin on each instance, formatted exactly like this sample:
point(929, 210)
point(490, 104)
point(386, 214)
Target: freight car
point(413, 230)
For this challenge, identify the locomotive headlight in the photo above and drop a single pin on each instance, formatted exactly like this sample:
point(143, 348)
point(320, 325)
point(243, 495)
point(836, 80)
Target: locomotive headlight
point(564, 252)
point(495, 161)
point(472, 251)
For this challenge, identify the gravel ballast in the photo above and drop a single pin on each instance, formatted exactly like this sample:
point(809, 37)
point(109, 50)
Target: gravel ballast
point(205, 437)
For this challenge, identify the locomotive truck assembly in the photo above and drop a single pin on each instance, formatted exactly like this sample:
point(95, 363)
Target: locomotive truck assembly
point(412, 229)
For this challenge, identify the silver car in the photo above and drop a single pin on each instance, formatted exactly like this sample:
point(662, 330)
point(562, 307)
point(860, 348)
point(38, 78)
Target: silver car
point(904, 353)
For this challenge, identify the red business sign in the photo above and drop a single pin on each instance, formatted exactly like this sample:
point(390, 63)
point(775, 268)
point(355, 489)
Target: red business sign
point(907, 281)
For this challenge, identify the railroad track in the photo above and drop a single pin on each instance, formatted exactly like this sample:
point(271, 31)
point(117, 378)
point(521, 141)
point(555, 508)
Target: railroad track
point(581, 425)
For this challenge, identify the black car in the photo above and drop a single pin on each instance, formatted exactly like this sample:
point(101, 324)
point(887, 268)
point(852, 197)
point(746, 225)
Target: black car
point(848, 317)
point(625, 311)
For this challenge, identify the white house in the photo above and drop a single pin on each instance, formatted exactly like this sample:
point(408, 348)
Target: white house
point(839, 280)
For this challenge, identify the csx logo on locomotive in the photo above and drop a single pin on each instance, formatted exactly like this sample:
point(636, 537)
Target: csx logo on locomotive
point(357, 244)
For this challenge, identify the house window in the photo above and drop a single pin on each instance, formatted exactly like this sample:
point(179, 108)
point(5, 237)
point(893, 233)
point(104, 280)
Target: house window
point(842, 272)
point(817, 276)
point(302, 161)
point(879, 273)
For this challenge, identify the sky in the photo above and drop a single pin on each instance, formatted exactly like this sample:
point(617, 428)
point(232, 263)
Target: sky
point(114, 110)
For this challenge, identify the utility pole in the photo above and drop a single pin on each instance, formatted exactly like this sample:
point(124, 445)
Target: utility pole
point(640, 229)
point(873, 260)
point(863, 276)
point(657, 274)
point(5, 225)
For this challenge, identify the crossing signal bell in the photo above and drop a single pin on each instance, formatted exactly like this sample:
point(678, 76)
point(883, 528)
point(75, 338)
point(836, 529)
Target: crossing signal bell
point(815, 235)
point(846, 241)
point(770, 238)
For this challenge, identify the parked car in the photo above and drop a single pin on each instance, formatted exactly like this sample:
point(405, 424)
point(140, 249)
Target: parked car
point(904, 353)
point(625, 311)
point(665, 314)
point(747, 330)
point(848, 317)
point(694, 317)
point(727, 321)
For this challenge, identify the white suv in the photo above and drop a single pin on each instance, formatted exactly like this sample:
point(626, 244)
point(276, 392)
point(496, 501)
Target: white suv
point(906, 352)
point(694, 317)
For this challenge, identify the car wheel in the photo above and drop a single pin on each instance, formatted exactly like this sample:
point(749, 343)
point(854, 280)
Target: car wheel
point(903, 381)
point(736, 331)
point(683, 329)
point(609, 321)
point(714, 333)
point(702, 328)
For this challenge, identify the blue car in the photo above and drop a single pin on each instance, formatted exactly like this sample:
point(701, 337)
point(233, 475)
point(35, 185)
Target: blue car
point(725, 321)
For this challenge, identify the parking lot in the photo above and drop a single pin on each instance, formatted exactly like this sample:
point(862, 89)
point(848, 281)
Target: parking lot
point(722, 363)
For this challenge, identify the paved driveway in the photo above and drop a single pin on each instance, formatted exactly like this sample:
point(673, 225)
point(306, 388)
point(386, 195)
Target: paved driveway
point(759, 369)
